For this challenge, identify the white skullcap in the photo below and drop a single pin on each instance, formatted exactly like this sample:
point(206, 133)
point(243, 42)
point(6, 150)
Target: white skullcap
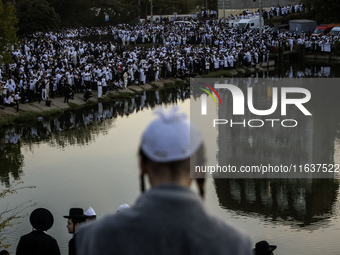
point(123, 207)
point(167, 138)
point(90, 212)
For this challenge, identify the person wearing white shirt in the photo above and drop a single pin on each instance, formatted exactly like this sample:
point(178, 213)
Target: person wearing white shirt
point(99, 88)
point(104, 84)
point(125, 77)
point(17, 99)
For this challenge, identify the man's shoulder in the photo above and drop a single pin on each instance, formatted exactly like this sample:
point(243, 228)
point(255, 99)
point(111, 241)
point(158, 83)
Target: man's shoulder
point(95, 231)
point(98, 226)
point(37, 235)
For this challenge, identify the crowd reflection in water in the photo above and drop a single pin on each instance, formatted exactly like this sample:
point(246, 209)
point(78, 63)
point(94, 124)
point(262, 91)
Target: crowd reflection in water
point(77, 127)
point(92, 115)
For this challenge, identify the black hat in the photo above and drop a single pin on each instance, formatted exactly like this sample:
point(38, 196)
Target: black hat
point(263, 248)
point(75, 213)
point(41, 219)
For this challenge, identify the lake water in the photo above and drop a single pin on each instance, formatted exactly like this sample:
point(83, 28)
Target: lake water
point(89, 158)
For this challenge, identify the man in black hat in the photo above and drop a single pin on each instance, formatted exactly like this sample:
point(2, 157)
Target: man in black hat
point(263, 248)
point(75, 217)
point(38, 242)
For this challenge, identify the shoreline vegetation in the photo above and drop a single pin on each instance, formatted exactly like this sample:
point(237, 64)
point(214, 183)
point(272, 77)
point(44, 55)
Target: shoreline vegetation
point(31, 112)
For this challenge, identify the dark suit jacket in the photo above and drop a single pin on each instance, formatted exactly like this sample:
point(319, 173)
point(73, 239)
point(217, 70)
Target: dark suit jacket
point(72, 246)
point(37, 243)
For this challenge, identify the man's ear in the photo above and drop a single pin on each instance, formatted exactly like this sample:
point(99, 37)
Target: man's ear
point(143, 170)
point(76, 226)
point(143, 166)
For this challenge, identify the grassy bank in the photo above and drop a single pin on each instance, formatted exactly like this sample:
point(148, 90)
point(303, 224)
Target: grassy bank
point(27, 117)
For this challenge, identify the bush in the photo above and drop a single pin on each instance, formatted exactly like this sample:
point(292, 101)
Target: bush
point(337, 48)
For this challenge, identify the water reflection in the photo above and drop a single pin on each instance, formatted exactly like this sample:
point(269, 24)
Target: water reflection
point(291, 139)
point(297, 202)
point(78, 127)
point(11, 159)
point(294, 202)
point(305, 69)
point(302, 201)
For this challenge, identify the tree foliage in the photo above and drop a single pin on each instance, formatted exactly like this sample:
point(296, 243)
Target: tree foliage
point(337, 48)
point(73, 13)
point(9, 215)
point(11, 162)
point(92, 12)
point(36, 15)
point(323, 11)
point(166, 7)
point(8, 29)
point(118, 11)
point(42, 15)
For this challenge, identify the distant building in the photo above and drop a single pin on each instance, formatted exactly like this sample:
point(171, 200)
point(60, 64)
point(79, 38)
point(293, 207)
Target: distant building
point(250, 4)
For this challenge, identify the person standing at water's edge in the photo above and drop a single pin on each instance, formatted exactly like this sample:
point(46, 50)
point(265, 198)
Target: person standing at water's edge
point(264, 248)
point(74, 219)
point(169, 218)
point(123, 207)
point(90, 215)
point(99, 88)
point(17, 99)
point(38, 242)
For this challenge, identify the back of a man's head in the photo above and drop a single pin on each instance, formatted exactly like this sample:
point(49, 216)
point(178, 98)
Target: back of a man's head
point(168, 144)
point(169, 219)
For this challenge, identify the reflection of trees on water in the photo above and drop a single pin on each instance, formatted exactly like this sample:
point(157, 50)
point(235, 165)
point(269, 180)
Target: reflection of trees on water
point(302, 201)
point(292, 201)
point(77, 127)
point(306, 70)
point(11, 161)
point(311, 141)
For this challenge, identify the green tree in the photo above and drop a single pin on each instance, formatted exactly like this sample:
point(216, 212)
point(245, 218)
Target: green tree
point(323, 11)
point(8, 36)
point(118, 11)
point(167, 7)
point(73, 13)
point(36, 15)
point(337, 48)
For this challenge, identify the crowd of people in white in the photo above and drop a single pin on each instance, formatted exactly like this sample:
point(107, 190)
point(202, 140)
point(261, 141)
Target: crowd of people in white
point(49, 64)
point(269, 12)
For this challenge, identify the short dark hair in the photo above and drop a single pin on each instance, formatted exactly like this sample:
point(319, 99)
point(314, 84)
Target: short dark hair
point(77, 220)
point(174, 166)
point(93, 217)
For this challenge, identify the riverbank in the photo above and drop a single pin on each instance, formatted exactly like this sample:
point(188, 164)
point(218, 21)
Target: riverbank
point(32, 111)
